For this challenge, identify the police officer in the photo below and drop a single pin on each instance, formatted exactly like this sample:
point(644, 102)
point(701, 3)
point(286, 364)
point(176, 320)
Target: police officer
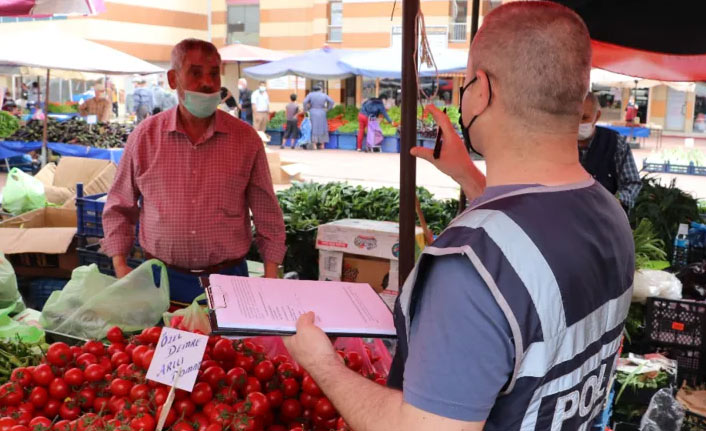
point(512, 319)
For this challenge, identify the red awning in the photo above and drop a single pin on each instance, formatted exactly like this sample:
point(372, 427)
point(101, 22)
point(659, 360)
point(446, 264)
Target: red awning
point(647, 64)
point(33, 8)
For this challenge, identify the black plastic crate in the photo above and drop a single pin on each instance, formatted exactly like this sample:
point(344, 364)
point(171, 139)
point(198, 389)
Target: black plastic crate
point(675, 323)
point(626, 426)
point(691, 365)
point(696, 254)
point(40, 289)
point(92, 254)
point(693, 422)
point(89, 213)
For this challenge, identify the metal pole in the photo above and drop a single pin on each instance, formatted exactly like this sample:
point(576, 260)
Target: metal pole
point(474, 29)
point(408, 139)
point(46, 119)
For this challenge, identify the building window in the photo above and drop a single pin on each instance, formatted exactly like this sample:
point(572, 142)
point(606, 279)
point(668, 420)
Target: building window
point(335, 21)
point(244, 24)
point(458, 25)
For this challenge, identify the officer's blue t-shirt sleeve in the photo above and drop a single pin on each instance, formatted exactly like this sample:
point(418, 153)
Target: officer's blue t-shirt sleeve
point(461, 352)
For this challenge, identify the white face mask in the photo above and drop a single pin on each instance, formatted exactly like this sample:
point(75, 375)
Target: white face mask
point(241, 87)
point(262, 88)
point(586, 130)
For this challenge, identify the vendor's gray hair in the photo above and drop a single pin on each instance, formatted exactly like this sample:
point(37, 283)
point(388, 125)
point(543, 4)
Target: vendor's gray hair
point(179, 51)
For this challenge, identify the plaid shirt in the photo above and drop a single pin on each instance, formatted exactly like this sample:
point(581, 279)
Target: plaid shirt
point(196, 198)
point(629, 183)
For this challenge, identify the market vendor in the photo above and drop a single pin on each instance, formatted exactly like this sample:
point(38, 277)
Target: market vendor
point(199, 173)
point(513, 317)
point(99, 105)
point(606, 155)
point(372, 108)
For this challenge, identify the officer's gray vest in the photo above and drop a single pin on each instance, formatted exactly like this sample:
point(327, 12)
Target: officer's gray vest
point(559, 262)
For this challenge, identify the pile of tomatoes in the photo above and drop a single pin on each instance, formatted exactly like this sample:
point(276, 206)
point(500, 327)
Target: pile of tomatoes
point(103, 388)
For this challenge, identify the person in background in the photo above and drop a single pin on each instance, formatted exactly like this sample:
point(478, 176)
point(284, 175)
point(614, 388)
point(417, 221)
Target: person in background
point(158, 93)
point(261, 105)
point(192, 177)
point(99, 105)
point(10, 106)
point(34, 96)
point(631, 111)
point(228, 102)
point(372, 108)
point(513, 318)
point(244, 101)
point(292, 131)
point(318, 104)
point(112, 95)
point(143, 100)
point(606, 155)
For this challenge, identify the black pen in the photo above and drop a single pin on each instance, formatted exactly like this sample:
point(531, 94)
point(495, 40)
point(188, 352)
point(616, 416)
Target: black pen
point(437, 145)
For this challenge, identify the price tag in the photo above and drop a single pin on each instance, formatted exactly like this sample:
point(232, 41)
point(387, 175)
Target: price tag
point(92, 119)
point(178, 353)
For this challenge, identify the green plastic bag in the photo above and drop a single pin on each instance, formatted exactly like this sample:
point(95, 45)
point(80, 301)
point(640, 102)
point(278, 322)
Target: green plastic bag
point(10, 298)
point(91, 302)
point(192, 318)
point(22, 193)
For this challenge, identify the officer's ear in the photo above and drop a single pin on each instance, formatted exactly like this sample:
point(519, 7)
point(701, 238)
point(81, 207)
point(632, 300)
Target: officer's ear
point(598, 117)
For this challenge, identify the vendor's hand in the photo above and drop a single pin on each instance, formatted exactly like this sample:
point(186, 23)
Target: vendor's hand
point(271, 270)
point(454, 159)
point(122, 270)
point(310, 346)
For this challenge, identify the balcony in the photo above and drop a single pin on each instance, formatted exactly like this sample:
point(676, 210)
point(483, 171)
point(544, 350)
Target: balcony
point(335, 33)
point(457, 31)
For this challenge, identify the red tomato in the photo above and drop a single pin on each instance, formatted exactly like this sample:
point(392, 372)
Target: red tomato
point(354, 361)
point(140, 406)
point(253, 385)
point(227, 395)
point(277, 428)
point(308, 401)
point(221, 414)
point(69, 410)
point(341, 424)
point(100, 405)
point(11, 394)
point(296, 429)
point(94, 373)
point(59, 354)
point(151, 335)
point(86, 359)
point(23, 417)
point(214, 427)
point(280, 359)
point(324, 408)
point(160, 396)
point(290, 387)
point(259, 403)
point(214, 376)
point(146, 358)
point(62, 425)
point(171, 416)
point(120, 387)
point(200, 421)
point(137, 353)
point(39, 396)
point(119, 358)
point(286, 369)
point(275, 397)
point(51, 408)
point(201, 394)
point(115, 347)
point(117, 404)
point(310, 387)
point(185, 408)
point(89, 421)
point(19, 428)
point(42, 375)
point(22, 376)
point(74, 377)
point(58, 389)
point(140, 391)
point(143, 423)
point(104, 362)
point(39, 423)
point(115, 335)
point(237, 377)
point(223, 350)
point(291, 409)
point(182, 426)
point(86, 397)
point(245, 362)
point(6, 423)
point(264, 370)
point(94, 347)
point(76, 351)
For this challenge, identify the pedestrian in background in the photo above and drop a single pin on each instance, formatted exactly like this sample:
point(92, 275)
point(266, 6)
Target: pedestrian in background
point(261, 104)
point(99, 105)
point(143, 100)
point(245, 101)
point(318, 103)
point(372, 108)
point(292, 131)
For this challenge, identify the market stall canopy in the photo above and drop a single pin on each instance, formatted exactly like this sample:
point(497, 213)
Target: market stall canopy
point(317, 64)
point(651, 39)
point(53, 49)
point(611, 79)
point(43, 8)
point(63, 74)
point(387, 63)
point(239, 52)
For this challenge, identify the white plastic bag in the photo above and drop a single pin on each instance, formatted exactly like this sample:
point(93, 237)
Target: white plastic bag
point(652, 283)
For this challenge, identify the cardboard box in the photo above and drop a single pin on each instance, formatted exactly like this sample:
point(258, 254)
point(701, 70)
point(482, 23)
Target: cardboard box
point(371, 270)
point(60, 179)
point(330, 265)
point(41, 243)
point(364, 238)
point(282, 172)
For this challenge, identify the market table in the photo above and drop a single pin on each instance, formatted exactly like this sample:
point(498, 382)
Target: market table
point(18, 148)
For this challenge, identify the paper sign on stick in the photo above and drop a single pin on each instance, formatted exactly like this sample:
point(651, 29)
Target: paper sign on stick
point(177, 350)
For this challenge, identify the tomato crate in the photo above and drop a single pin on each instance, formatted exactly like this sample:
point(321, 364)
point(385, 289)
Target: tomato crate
point(675, 323)
point(693, 422)
point(89, 213)
point(40, 289)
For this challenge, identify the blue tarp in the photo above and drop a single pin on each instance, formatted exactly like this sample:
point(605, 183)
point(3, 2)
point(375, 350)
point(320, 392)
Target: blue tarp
point(631, 132)
point(317, 64)
point(387, 63)
point(17, 148)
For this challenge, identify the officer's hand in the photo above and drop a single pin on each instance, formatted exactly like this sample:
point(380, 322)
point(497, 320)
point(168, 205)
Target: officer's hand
point(310, 346)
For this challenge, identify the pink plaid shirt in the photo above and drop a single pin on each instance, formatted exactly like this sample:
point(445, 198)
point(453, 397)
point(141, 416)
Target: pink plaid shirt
point(196, 198)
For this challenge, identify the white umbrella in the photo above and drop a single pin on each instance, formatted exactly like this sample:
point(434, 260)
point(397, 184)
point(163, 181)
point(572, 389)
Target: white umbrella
point(387, 63)
point(611, 79)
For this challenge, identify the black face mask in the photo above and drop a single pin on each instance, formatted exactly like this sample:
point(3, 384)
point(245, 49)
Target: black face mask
point(466, 129)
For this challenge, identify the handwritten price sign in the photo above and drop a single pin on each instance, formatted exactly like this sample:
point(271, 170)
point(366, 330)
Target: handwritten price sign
point(177, 352)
